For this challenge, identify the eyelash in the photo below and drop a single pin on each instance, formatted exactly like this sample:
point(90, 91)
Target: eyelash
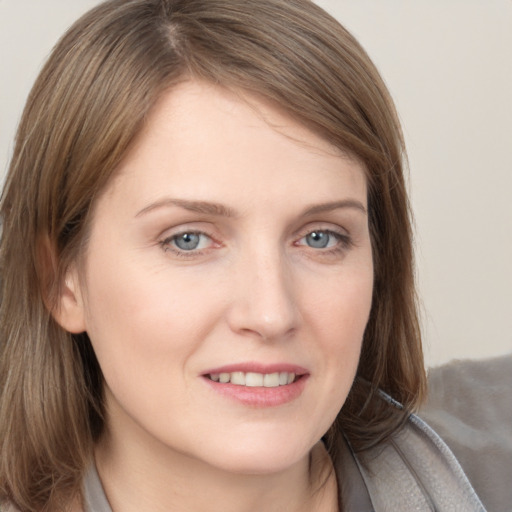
point(344, 242)
point(168, 244)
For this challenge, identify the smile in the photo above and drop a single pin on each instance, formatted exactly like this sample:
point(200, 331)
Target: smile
point(258, 385)
point(253, 379)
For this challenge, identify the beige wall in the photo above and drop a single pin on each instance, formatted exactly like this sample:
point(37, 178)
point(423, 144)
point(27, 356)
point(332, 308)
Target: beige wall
point(448, 64)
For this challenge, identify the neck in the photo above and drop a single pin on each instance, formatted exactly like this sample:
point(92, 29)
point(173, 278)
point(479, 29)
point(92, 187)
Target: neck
point(139, 476)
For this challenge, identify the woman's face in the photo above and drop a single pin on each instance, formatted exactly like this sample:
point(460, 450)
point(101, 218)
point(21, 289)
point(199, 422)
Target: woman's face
point(226, 284)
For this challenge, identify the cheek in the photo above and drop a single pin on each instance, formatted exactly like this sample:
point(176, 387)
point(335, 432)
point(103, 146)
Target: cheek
point(143, 323)
point(340, 308)
point(339, 320)
point(145, 331)
point(340, 315)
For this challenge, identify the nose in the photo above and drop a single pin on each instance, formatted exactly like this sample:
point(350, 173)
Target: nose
point(264, 302)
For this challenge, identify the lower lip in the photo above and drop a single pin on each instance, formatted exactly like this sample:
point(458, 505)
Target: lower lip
point(260, 397)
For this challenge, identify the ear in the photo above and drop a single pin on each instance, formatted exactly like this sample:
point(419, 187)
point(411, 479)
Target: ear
point(63, 299)
point(69, 311)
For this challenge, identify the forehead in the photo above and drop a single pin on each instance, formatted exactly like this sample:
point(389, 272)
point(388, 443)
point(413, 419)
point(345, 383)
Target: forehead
point(217, 140)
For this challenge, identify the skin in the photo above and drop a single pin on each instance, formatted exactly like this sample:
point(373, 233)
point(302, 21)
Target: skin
point(254, 290)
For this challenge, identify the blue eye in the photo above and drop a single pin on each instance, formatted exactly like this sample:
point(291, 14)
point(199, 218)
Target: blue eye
point(321, 239)
point(189, 241)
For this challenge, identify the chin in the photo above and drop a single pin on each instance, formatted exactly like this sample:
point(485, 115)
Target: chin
point(260, 464)
point(259, 455)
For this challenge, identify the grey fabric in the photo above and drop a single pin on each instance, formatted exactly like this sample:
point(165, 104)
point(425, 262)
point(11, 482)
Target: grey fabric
point(470, 407)
point(353, 489)
point(94, 496)
point(416, 471)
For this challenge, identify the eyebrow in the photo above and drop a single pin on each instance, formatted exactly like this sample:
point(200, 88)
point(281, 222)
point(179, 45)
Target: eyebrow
point(205, 207)
point(220, 210)
point(334, 205)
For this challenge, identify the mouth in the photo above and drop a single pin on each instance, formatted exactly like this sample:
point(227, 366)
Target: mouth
point(254, 379)
point(258, 385)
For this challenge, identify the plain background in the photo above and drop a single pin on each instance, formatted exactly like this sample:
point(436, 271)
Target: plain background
point(448, 64)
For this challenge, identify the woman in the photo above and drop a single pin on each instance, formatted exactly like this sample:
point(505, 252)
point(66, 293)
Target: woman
point(207, 277)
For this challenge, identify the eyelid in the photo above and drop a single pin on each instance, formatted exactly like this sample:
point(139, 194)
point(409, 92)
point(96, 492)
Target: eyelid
point(327, 227)
point(331, 232)
point(343, 238)
point(166, 242)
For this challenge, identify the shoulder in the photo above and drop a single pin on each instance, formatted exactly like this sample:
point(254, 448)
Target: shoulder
point(412, 470)
point(469, 405)
point(415, 470)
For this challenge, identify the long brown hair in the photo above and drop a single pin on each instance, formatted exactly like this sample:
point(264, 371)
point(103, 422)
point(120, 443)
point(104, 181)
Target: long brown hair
point(86, 107)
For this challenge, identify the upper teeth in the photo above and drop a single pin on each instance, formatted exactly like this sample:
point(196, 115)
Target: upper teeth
point(251, 379)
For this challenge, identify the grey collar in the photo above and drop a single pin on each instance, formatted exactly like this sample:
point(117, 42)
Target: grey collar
point(94, 495)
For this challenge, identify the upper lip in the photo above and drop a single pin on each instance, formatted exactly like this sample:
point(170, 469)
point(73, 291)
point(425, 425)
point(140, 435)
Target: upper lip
point(254, 367)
